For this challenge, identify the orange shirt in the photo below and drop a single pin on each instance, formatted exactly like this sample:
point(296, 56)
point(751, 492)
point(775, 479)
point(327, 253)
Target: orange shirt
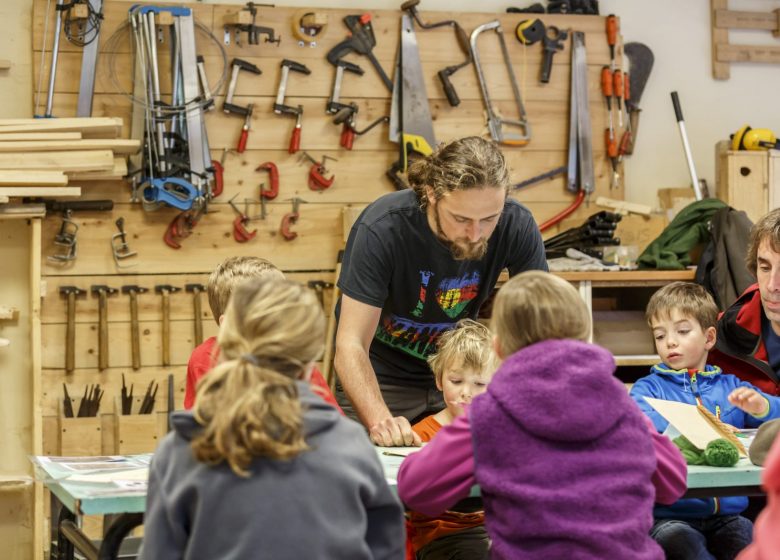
point(425, 529)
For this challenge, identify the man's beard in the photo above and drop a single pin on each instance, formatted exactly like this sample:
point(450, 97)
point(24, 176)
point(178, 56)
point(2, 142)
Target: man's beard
point(461, 250)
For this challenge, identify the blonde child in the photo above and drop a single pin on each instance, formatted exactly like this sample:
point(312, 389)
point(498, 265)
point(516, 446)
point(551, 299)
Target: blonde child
point(566, 463)
point(222, 281)
point(462, 367)
point(261, 467)
point(683, 318)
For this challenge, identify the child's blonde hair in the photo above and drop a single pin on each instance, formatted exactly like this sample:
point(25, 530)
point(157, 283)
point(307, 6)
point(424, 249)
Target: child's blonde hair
point(689, 299)
point(229, 274)
point(469, 344)
point(248, 404)
point(535, 306)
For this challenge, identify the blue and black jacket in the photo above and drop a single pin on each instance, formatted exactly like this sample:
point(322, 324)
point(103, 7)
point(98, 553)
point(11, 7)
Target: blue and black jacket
point(709, 388)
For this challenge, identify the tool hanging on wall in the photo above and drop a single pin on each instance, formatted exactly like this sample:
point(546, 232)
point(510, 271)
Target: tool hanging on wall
point(686, 146)
point(552, 42)
point(126, 398)
point(119, 247)
point(411, 124)
point(362, 41)
point(135, 335)
point(71, 293)
point(280, 108)
point(66, 237)
point(165, 291)
point(273, 178)
point(231, 108)
point(197, 313)
point(147, 404)
point(290, 219)
point(90, 402)
point(205, 90)
point(181, 227)
point(245, 21)
point(102, 292)
point(640, 64)
point(81, 21)
point(580, 177)
point(308, 26)
point(463, 42)
point(67, 403)
point(317, 172)
point(597, 230)
point(495, 122)
point(176, 167)
point(240, 233)
point(747, 138)
point(613, 28)
point(346, 114)
point(530, 31)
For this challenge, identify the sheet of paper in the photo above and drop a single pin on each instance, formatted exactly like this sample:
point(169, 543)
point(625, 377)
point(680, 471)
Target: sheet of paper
point(687, 419)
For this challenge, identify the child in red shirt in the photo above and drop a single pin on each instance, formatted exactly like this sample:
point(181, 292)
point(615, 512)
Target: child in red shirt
point(222, 281)
point(463, 365)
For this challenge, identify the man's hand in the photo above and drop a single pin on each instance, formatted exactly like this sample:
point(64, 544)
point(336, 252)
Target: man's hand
point(394, 432)
point(749, 400)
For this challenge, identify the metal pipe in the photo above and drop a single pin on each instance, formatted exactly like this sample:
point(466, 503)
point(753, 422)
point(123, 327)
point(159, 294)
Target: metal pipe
point(686, 145)
point(55, 48)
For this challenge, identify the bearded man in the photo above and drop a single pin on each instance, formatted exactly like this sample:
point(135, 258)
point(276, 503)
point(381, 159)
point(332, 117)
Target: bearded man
point(416, 262)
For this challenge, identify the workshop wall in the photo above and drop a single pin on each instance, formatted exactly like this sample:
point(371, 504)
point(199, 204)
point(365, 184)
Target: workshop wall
point(359, 176)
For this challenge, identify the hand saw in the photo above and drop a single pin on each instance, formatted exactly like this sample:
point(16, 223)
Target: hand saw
point(411, 125)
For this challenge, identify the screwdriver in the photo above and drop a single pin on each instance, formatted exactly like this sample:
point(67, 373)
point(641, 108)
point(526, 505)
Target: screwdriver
point(625, 142)
point(612, 154)
point(612, 31)
point(245, 129)
point(607, 90)
point(618, 88)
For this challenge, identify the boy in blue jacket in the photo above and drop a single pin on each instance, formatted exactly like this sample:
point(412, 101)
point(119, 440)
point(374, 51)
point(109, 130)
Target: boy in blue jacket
point(683, 317)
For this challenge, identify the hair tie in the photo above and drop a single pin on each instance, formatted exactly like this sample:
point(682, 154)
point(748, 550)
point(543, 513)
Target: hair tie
point(251, 358)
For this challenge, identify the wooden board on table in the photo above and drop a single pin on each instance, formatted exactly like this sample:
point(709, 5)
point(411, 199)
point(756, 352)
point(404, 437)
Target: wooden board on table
point(65, 192)
point(92, 127)
point(114, 175)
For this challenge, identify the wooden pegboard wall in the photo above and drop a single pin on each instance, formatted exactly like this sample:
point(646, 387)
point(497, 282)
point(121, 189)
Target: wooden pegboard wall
point(359, 173)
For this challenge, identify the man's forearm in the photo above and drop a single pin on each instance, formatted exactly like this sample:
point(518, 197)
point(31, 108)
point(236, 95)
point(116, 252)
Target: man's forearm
point(359, 381)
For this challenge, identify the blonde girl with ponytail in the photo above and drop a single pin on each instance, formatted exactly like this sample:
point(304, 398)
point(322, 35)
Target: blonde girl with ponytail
point(263, 468)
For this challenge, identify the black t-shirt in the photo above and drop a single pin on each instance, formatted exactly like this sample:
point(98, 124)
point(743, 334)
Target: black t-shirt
point(394, 261)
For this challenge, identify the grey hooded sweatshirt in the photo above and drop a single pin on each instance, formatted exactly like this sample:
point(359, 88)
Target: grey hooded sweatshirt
point(331, 502)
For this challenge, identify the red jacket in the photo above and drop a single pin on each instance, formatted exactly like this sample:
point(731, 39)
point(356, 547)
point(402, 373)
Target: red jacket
point(739, 348)
point(204, 357)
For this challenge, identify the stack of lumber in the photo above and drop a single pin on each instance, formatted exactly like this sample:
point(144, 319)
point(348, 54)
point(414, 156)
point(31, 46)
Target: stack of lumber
point(40, 157)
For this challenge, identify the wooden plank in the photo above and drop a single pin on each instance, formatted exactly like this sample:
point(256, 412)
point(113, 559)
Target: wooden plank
point(28, 136)
point(53, 337)
point(116, 173)
point(95, 160)
point(35, 369)
point(68, 192)
point(5, 64)
point(119, 146)
point(315, 248)
point(53, 309)
point(720, 69)
point(748, 53)
point(27, 178)
point(92, 127)
point(732, 19)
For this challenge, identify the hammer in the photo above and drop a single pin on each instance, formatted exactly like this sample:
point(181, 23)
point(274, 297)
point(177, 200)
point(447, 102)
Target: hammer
point(71, 292)
point(196, 290)
point(103, 292)
point(165, 291)
point(135, 336)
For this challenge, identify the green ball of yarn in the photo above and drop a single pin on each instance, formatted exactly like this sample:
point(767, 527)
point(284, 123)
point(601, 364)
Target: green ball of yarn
point(721, 453)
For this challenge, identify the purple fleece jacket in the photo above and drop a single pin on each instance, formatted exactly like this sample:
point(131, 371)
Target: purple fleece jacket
point(566, 462)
